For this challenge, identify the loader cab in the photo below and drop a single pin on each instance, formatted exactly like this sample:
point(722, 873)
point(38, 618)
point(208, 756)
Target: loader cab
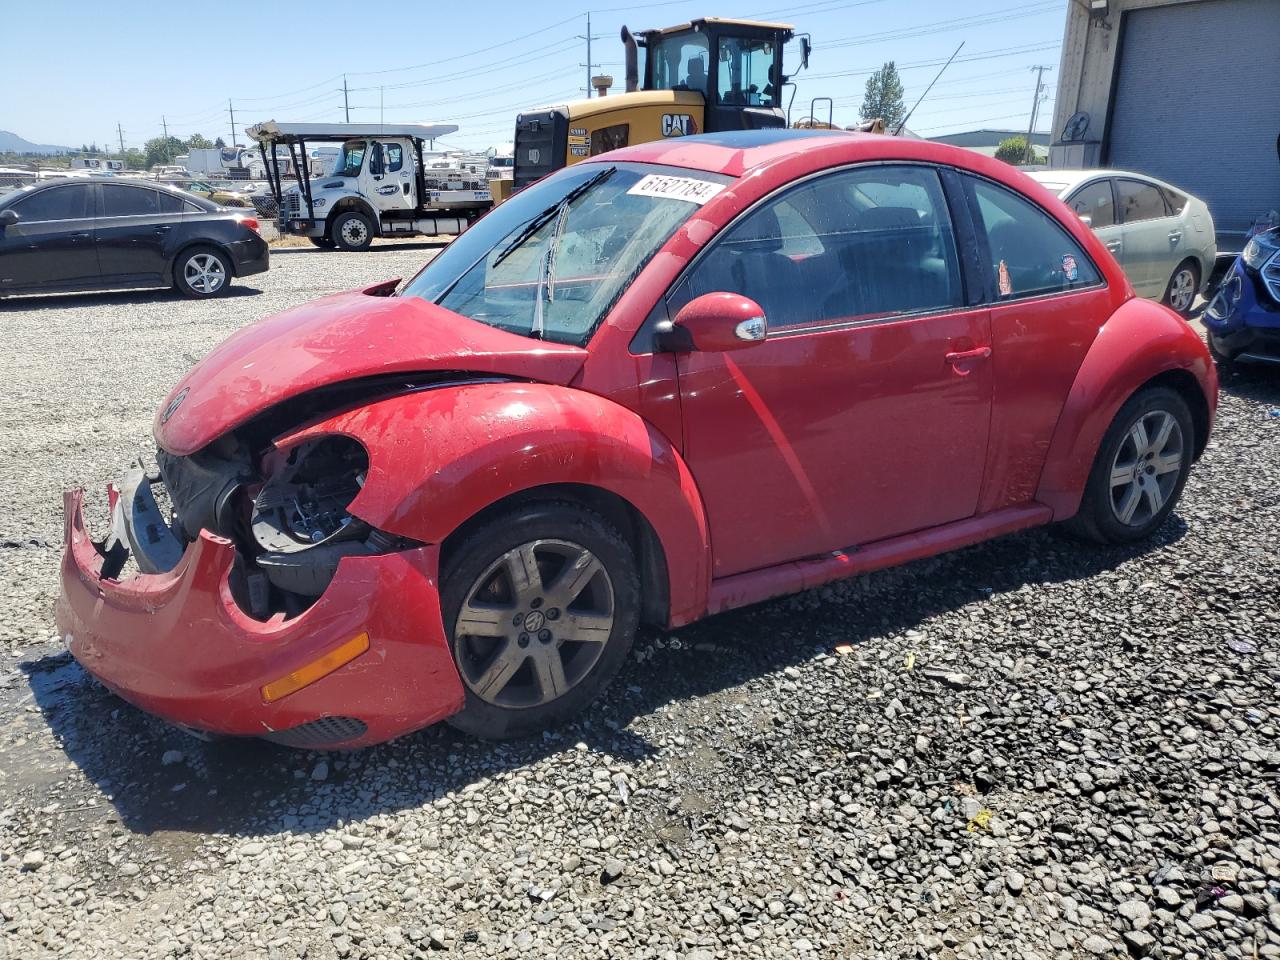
point(736, 65)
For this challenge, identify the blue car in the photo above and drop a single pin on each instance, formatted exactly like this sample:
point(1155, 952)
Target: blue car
point(1243, 319)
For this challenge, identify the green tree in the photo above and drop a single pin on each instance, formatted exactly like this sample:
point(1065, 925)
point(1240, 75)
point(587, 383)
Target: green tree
point(883, 98)
point(1014, 150)
point(161, 150)
point(197, 142)
point(220, 143)
point(135, 159)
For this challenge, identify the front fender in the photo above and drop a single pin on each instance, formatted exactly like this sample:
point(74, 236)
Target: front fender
point(1141, 341)
point(438, 457)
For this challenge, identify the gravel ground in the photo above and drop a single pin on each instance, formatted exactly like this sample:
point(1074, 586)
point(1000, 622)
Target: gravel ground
point(1030, 748)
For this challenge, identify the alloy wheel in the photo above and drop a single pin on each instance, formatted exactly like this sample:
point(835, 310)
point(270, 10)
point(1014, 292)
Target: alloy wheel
point(534, 623)
point(1182, 290)
point(1146, 468)
point(204, 273)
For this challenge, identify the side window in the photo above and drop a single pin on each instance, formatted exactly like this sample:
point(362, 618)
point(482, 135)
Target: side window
point(1177, 201)
point(189, 207)
point(169, 203)
point(375, 159)
point(118, 201)
point(609, 138)
point(72, 202)
point(1031, 253)
point(395, 157)
point(1139, 201)
point(1095, 203)
point(861, 244)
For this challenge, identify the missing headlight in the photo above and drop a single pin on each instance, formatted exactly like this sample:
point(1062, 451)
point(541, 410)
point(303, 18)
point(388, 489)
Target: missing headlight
point(304, 503)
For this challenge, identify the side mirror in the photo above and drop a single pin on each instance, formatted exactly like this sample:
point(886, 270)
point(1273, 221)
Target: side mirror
point(8, 218)
point(1086, 219)
point(806, 48)
point(715, 323)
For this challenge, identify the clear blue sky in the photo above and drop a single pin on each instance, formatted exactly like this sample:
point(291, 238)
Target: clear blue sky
point(87, 66)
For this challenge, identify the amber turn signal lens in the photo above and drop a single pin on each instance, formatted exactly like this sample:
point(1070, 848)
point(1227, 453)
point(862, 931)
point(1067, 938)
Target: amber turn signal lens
point(313, 671)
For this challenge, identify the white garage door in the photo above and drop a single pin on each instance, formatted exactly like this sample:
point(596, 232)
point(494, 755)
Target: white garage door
point(1197, 103)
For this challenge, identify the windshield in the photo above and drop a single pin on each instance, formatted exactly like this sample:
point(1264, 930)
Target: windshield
point(539, 266)
point(680, 62)
point(350, 160)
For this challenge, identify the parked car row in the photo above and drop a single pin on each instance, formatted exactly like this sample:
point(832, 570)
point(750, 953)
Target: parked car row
point(661, 383)
point(82, 234)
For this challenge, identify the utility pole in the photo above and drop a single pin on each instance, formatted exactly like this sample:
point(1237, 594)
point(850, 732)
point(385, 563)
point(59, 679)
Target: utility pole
point(589, 65)
point(232, 111)
point(120, 134)
point(1035, 109)
point(382, 117)
point(165, 123)
point(346, 104)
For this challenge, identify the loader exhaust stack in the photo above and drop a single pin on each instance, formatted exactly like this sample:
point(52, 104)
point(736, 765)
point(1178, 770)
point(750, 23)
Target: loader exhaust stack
point(631, 61)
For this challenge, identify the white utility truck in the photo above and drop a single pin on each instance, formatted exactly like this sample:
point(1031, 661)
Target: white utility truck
point(379, 185)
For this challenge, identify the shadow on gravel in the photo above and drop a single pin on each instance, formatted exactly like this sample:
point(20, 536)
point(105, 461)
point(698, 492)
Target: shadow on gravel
point(111, 298)
point(1259, 382)
point(250, 787)
point(397, 245)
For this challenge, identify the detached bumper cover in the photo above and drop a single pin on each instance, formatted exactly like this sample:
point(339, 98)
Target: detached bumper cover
point(177, 645)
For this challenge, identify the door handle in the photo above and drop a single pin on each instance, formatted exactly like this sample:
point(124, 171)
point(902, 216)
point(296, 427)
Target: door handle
point(162, 228)
point(1113, 245)
point(960, 356)
point(1175, 236)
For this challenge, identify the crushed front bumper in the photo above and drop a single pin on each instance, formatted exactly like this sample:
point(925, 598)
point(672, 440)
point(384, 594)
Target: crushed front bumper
point(178, 645)
point(1242, 320)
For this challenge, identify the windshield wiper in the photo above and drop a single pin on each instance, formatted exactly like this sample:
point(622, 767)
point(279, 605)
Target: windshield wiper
point(547, 273)
point(539, 221)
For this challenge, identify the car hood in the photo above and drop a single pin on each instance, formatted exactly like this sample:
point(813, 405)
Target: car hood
point(341, 338)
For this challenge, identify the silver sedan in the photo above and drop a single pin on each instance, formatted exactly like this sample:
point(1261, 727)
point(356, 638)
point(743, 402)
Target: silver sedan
point(1161, 236)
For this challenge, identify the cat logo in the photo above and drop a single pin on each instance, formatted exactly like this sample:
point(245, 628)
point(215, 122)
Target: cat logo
point(678, 125)
point(535, 155)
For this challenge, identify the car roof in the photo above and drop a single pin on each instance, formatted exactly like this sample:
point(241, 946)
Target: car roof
point(1074, 178)
point(738, 152)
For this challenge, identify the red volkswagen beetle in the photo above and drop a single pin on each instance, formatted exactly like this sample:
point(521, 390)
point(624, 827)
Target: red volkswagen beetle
point(666, 382)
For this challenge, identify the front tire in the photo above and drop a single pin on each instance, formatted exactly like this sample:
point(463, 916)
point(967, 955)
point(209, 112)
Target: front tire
point(202, 273)
point(352, 232)
point(1140, 469)
point(541, 605)
point(1180, 291)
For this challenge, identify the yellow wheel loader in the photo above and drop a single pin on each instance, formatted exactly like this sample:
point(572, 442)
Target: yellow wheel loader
point(707, 75)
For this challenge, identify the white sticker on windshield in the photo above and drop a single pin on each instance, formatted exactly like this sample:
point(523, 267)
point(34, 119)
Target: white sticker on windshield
point(676, 188)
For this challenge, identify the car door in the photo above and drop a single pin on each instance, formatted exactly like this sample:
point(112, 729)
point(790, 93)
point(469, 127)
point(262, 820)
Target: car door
point(1152, 238)
point(864, 414)
point(383, 188)
point(51, 244)
point(1049, 301)
point(133, 235)
point(1095, 204)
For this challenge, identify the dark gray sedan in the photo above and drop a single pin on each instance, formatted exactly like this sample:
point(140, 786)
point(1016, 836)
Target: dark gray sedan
point(84, 234)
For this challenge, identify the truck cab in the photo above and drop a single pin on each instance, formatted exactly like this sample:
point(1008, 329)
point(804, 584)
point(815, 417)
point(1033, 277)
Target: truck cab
point(380, 184)
point(707, 75)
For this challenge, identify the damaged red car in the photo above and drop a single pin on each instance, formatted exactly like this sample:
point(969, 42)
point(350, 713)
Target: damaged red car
point(662, 383)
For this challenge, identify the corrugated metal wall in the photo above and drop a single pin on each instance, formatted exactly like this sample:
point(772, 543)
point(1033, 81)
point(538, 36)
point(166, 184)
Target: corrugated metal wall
point(1197, 103)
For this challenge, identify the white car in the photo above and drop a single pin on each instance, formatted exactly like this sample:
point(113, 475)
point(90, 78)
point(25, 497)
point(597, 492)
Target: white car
point(1161, 236)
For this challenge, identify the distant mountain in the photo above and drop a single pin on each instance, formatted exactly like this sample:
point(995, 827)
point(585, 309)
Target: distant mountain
point(12, 143)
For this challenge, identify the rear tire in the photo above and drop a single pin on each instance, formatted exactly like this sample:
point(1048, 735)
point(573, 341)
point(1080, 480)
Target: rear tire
point(1180, 292)
point(541, 605)
point(352, 232)
point(202, 273)
point(1140, 469)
